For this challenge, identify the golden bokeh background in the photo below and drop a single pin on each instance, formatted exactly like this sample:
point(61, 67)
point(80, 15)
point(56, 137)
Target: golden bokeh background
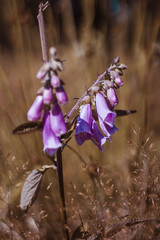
point(100, 187)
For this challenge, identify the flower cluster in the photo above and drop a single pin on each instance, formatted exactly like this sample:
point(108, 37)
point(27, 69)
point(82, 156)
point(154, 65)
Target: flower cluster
point(103, 96)
point(48, 99)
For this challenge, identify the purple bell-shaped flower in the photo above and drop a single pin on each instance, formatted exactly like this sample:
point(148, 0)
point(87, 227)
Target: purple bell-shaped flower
point(84, 125)
point(57, 121)
point(50, 140)
point(105, 116)
point(103, 111)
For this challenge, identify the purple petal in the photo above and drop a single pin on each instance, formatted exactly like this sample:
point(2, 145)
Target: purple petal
point(57, 121)
point(61, 95)
point(107, 129)
point(97, 137)
point(35, 110)
point(103, 111)
point(84, 124)
point(47, 95)
point(50, 141)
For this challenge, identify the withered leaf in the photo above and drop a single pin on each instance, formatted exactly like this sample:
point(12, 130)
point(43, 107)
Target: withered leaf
point(31, 187)
point(27, 128)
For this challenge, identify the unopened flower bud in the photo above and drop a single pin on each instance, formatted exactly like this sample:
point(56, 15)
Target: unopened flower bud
point(115, 76)
point(119, 71)
point(107, 84)
point(34, 113)
point(43, 71)
point(95, 89)
point(86, 99)
point(116, 60)
point(118, 81)
point(53, 52)
point(47, 95)
point(122, 66)
point(112, 97)
point(55, 81)
point(61, 95)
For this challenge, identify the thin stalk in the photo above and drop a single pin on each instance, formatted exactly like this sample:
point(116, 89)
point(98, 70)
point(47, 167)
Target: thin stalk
point(40, 18)
point(62, 196)
point(42, 32)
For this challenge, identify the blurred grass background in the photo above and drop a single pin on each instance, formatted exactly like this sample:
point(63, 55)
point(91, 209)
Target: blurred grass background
point(88, 34)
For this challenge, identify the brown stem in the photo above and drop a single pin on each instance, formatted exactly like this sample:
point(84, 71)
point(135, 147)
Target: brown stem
point(40, 18)
point(62, 197)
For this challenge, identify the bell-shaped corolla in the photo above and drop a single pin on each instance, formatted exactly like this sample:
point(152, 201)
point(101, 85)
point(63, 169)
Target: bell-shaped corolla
point(50, 141)
point(58, 124)
point(84, 125)
point(103, 110)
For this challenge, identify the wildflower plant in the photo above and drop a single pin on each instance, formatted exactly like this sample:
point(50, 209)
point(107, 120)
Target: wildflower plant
point(95, 119)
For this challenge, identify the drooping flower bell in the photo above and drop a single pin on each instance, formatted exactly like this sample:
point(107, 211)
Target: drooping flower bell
point(50, 141)
point(103, 111)
point(58, 124)
point(105, 116)
point(84, 124)
point(35, 111)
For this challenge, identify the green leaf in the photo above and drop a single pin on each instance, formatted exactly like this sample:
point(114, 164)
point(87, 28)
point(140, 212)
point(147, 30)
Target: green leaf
point(27, 128)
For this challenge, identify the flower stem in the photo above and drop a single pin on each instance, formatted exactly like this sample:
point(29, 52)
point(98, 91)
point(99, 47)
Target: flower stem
point(40, 18)
point(62, 196)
